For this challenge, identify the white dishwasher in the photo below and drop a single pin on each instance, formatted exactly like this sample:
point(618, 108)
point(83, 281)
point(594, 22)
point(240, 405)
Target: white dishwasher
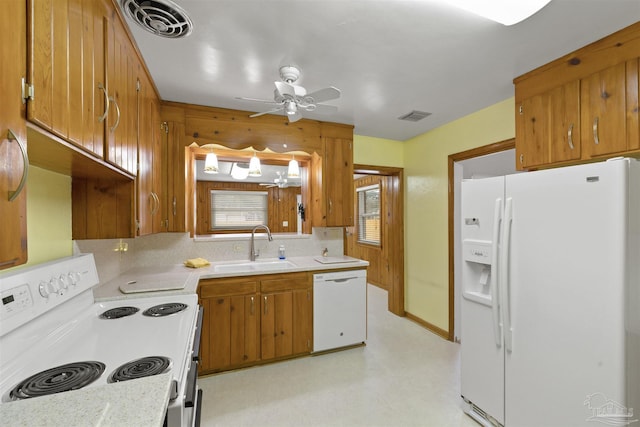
point(339, 309)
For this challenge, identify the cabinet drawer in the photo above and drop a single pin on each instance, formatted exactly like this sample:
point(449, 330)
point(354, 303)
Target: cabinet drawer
point(286, 282)
point(217, 288)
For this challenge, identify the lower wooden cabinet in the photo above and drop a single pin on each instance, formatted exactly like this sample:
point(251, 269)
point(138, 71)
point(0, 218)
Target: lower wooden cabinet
point(249, 320)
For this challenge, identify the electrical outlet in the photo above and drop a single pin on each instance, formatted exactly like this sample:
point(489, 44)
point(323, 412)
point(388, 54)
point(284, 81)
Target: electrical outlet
point(238, 247)
point(285, 223)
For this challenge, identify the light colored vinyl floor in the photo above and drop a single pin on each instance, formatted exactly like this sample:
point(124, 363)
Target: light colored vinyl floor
point(404, 376)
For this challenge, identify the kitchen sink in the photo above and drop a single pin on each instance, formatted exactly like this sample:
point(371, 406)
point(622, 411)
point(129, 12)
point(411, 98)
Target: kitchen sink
point(247, 267)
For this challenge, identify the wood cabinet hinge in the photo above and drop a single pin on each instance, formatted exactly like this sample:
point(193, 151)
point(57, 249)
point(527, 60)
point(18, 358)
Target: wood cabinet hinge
point(137, 85)
point(165, 127)
point(28, 92)
point(521, 110)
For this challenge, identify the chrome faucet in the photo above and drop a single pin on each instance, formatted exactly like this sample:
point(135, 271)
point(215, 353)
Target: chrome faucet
point(253, 254)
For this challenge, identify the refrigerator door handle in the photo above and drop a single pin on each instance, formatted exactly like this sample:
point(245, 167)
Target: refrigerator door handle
point(504, 274)
point(494, 282)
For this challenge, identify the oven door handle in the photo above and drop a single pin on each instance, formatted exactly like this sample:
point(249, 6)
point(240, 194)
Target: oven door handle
point(195, 351)
point(192, 385)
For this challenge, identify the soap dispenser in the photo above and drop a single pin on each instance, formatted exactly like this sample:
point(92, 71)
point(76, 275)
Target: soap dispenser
point(281, 252)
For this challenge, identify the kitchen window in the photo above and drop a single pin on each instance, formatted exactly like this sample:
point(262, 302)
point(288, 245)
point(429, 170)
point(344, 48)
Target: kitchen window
point(369, 214)
point(238, 209)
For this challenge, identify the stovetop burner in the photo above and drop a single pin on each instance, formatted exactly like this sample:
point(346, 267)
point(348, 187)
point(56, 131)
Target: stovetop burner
point(119, 312)
point(72, 376)
point(144, 367)
point(165, 309)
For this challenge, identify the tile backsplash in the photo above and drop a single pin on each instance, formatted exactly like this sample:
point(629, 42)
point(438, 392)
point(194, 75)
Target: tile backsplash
point(115, 256)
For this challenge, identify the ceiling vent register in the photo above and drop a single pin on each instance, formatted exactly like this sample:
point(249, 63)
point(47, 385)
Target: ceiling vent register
point(414, 116)
point(163, 18)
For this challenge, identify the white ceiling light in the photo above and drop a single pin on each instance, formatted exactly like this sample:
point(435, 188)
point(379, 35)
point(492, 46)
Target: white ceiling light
point(239, 171)
point(294, 169)
point(211, 163)
point(254, 166)
point(506, 12)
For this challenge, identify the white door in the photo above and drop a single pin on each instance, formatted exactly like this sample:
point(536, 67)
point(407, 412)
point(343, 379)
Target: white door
point(566, 293)
point(482, 356)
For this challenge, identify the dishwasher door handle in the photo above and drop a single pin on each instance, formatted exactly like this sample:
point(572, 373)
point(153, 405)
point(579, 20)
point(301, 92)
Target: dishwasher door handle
point(342, 280)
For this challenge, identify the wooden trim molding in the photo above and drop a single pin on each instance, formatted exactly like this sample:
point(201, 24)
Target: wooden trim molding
point(431, 327)
point(457, 157)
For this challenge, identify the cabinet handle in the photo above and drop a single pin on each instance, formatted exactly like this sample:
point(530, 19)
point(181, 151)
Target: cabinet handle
point(570, 136)
point(106, 103)
point(175, 208)
point(596, 140)
point(330, 206)
point(156, 203)
point(253, 305)
point(265, 304)
point(25, 160)
point(115, 125)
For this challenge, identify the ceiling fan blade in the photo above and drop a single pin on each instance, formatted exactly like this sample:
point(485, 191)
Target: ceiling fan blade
point(322, 95)
point(285, 89)
point(265, 101)
point(267, 112)
point(325, 109)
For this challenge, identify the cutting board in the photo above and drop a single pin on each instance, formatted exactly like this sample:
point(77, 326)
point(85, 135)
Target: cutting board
point(334, 259)
point(165, 282)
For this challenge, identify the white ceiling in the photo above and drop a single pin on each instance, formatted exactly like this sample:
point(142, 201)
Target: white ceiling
point(388, 57)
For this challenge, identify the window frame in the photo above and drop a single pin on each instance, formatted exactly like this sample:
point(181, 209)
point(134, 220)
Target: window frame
point(361, 216)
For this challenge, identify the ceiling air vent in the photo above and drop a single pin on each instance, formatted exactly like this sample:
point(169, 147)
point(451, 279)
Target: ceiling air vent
point(414, 116)
point(163, 18)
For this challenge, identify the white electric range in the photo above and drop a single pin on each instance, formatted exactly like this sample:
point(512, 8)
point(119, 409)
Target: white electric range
point(55, 338)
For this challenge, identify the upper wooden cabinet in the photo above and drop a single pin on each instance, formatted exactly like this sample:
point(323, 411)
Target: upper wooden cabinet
point(174, 165)
point(581, 107)
point(13, 137)
point(150, 131)
point(66, 70)
point(332, 183)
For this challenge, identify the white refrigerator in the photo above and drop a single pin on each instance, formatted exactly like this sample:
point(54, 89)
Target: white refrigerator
point(550, 307)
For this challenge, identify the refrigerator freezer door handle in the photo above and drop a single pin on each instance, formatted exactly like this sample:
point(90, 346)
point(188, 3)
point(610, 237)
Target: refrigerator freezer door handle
point(494, 283)
point(503, 280)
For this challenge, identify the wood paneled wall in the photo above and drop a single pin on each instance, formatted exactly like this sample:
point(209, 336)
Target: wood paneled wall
point(377, 273)
point(282, 205)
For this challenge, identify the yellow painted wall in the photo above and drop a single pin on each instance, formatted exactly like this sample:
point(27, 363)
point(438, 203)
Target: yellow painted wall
point(377, 151)
point(426, 204)
point(48, 215)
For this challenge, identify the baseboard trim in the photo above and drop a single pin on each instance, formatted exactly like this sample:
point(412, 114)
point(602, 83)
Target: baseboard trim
point(431, 327)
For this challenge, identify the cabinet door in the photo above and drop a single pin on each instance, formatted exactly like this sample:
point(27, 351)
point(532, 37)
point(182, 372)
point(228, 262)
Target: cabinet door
point(66, 66)
point(564, 123)
point(173, 159)
point(633, 95)
point(150, 166)
point(230, 330)
point(532, 134)
point(277, 325)
point(13, 244)
point(338, 182)
point(122, 73)
point(603, 103)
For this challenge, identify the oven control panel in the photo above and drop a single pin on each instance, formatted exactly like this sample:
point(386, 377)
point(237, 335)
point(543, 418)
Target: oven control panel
point(29, 292)
point(15, 300)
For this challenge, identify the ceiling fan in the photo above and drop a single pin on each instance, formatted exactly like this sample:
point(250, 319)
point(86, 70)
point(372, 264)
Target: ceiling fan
point(280, 182)
point(293, 99)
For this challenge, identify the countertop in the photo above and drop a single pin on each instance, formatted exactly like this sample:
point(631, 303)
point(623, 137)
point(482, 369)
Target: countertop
point(111, 290)
point(139, 402)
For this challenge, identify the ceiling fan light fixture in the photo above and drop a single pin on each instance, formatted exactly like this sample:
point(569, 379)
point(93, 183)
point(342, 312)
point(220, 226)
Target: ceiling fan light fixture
point(294, 169)
point(254, 166)
point(239, 171)
point(211, 163)
point(291, 108)
point(506, 12)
